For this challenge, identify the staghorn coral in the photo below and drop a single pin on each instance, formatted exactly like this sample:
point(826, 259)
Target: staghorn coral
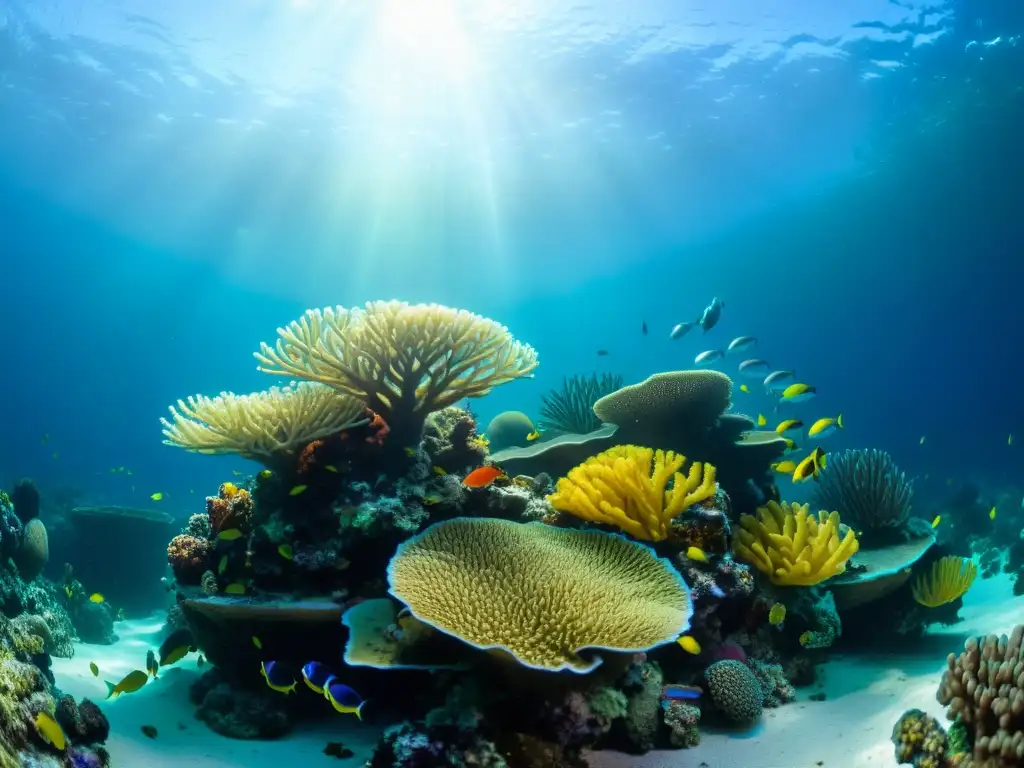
point(539, 593)
point(263, 425)
point(947, 580)
point(867, 489)
point(984, 688)
point(403, 361)
point(920, 740)
point(621, 488)
point(735, 691)
point(189, 558)
point(571, 408)
point(793, 547)
point(695, 397)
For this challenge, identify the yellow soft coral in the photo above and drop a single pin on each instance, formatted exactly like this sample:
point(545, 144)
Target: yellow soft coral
point(620, 488)
point(538, 593)
point(949, 578)
point(403, 361)
point(795, 548)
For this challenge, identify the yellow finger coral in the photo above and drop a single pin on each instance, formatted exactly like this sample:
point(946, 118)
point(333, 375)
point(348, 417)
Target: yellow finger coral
point(619, 487)
point(403, 361)
point(795, 548)
point(539, 593)
point(949, 578)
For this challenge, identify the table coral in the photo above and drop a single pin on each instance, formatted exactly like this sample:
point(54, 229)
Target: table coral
point(636, 489)
point(539, 593)
point(794, 547)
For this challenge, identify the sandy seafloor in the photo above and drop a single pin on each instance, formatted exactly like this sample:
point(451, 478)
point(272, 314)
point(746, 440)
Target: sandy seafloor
point(865, 695)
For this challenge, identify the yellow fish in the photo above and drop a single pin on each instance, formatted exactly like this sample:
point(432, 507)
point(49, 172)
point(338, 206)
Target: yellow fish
point(223, 565)
point(331, 468)
point(532, 436)
point(789, 424)
point(825, 427)
point(810, 467)
point(297, 490)
point(761, 420)
point(130, 683)
point(791, 445)
point(94, 669)
point(696, 553)
point(156, 496)
point(784, 467)
point(69, 591)
point(230, 534)
point(438, 470)
point(688, 644)
point(798, 393)
point(95, 597)
point(257, 642)
point(235, 588)
point(285, 551)
point(777, 614)
point(806, 638)
point(992, 514)
point(410, 451)
point(50, 731)
point(922, 440)
point(744, 388)
point(176, 655)
point(432, 498)
point(936, 521)
point(265, 474)
point(236, 473)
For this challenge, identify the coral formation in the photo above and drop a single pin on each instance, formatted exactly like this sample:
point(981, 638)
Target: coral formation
point(403, 361)
point(793, 547)
point(539, 593)
point(693, 397)
point(255, 713)
point(230, 508)
point(10, 529)
point(189, 558)
point(638, 490)
point(735, 691)
point(451, 440)
point(948, 579)
point(682, 718)
point(25, 498)
point(920, 740)
point(509, 429)
point(571, 408)
point(35, 550)
point(867, 489)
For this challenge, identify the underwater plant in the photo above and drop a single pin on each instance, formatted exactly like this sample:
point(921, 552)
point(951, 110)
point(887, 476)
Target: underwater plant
point(948, 579)
point(571, 408)
point(866, 488)
point(636, 489)
point(794, 547)
point(402, 361)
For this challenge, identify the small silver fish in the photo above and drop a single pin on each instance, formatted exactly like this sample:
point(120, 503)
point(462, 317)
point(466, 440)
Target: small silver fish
point(741, 343)
point(754, 369)
point(706, 358)
point(711, 315)
point(778, 381)
point(680, 330)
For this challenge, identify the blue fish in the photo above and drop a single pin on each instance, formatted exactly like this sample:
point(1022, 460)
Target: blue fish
point(277, 677)
point(316, 676)
point(712, 312)
point(681, 692)
point(343, 698)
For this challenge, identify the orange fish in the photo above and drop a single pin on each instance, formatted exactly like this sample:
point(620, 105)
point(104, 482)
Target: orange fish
point(481, 477)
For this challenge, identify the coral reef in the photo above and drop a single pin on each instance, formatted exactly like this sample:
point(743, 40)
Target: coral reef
point(538, 593)
point(735, 691)
point(230, 508)
point(691, 397)
point(868, 490)
point(451, 441)
point(189, 558)
point(25, 498)
point(571, 408)
point(509, 429)
point(638, 490)
point(920, 740)
point(240, 713)
point(35, 550)
point(11, 528)
point(793, 547)
point(682, 719)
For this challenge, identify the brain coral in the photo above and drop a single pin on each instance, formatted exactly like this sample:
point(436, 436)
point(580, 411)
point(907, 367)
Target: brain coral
point(694, 397)
point(35, 550)
point(540, 593)
point(734, 690)
point(509, 430)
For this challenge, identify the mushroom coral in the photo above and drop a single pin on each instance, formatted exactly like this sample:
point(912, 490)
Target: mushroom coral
point(793, 547)
point(538, 593)
point(636, 489)
point(402, 361)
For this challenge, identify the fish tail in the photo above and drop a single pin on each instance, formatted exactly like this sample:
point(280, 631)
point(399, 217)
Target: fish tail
point(359, 711)
point(839, 420)
point(110, 688)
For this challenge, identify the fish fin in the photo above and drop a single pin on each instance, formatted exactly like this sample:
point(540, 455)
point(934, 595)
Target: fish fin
point(839, 420)
point(110, 688)
point(359, 711)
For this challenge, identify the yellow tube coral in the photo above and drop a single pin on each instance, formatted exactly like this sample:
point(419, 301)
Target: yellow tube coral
point(619, 487)
point(949, 578)
point(793, 547)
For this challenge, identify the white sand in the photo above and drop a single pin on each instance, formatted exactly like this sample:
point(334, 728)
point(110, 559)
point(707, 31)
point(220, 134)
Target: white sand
point(181, 738)
point(850, 729)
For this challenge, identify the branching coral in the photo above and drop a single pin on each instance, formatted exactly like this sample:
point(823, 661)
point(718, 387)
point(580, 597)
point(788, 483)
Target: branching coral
point(263, 425)
point(948, 579)
point(571, 408)
point(403, 361)
point(793, 547)
point(620, 487)
point(538, 593)
point(866, 488)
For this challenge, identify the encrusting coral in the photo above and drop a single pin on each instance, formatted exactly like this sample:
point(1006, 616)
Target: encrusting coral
point(948, 578)
point(262, 425)
point(620, 487)
point(794, 547)
point(539, 593)
point(403, 361)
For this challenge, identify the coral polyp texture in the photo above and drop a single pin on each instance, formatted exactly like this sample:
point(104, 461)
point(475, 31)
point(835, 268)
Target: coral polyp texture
point(262, 425)
point(541, 594)
point(794, 547)
point(948, 579)
point(920, 740)
point(866, 488)
point(230, 508)
point(983, 688)
point(403, 361)
point(636, 489)
point(571, 408)
point(696, 397)
point(735, 691)
point(188, 557)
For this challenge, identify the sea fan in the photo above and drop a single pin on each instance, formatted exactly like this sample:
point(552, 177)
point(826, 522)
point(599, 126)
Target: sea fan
point(866, 488)
point(571, 409)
